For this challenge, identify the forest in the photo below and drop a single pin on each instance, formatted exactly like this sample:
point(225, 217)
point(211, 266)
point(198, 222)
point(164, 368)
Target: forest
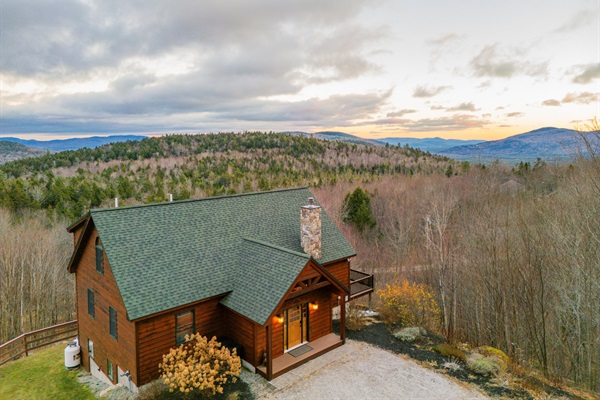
point(68, 183)
point(512, 253)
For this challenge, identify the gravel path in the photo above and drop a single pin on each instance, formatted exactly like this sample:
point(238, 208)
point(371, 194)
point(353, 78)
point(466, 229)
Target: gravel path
point(361, 371)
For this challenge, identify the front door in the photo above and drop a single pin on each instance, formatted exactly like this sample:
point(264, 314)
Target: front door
point(295, 324)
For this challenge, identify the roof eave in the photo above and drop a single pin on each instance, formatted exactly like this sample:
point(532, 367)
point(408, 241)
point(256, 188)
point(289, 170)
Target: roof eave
point(78, 250)
point(73, 227)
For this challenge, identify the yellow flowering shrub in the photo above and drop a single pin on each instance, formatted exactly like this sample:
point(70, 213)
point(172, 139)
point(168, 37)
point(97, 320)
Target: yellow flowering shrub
point(406, 303)
point(200, 364)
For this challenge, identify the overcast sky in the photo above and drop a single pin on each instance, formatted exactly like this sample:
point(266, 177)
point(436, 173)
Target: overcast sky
point(454, 69)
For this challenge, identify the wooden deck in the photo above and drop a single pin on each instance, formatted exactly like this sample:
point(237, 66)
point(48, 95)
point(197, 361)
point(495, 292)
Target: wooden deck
point(287, 362)
point(360, 284)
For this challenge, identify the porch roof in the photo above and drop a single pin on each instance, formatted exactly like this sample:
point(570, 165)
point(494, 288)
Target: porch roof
point(265, 274)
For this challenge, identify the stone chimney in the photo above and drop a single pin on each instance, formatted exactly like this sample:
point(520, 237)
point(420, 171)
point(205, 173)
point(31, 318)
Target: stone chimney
point(310, 229)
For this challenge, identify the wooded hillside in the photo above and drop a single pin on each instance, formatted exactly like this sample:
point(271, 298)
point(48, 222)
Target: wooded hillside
point(512, 253)
point(191, 166)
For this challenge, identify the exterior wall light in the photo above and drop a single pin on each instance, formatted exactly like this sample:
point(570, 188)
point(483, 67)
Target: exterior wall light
point(314, 306)
point(279, 319)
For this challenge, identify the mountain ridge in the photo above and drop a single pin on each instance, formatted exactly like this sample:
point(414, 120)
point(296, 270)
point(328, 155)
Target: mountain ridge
point(548, 143)
point(72, 143)
point(432, 145)
point(11, 151)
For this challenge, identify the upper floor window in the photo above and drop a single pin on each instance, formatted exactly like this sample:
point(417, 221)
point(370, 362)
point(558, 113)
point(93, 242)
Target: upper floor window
point(99, 256)
point(91, 308)
point(112, 313)
point(184, 325)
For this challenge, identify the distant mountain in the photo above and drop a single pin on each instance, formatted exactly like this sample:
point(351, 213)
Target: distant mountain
point(338, 137)
point(549, 144)
point(74, 143)
point(10, 151)
point(432, 145)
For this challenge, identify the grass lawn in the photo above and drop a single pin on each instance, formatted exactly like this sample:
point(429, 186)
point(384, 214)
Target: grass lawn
point(41, 376)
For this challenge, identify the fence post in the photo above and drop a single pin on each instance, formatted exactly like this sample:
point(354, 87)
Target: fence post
point(25, 344)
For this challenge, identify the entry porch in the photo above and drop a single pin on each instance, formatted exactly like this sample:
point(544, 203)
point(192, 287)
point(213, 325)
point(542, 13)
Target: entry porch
point(287, 362)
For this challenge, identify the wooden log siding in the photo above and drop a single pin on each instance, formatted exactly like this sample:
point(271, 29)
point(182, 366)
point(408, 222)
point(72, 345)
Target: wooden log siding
point(156, 335)
point(243, 331)
point(121, 352)
point(341, 270)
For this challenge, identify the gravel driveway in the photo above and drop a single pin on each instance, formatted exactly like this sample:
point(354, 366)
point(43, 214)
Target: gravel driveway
point(360, 371)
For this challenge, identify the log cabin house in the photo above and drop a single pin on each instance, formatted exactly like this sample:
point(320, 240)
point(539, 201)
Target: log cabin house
point(260, 270)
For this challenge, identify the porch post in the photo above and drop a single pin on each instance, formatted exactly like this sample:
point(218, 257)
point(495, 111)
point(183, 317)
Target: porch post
point(269, 352)
point(343, 319)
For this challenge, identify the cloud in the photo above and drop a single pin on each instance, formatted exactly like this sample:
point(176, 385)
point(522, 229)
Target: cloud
point(515, 114)
point(589, 72)
point(551, 103)
point(456, 122)
point(490, 63)
point(401, 113)
point(337, 110)
point(388, 121)
point(453, 123)
point(443, 40)
point(579, 20)
point(581, 98)
point(463, 107)
point(186, 64)
point(64, 36)
point(426, 91)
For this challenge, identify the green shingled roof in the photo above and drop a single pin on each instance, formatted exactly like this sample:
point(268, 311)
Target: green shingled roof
point(171, 254)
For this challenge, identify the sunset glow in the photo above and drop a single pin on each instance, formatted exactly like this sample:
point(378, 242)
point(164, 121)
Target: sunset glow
point(467, 70)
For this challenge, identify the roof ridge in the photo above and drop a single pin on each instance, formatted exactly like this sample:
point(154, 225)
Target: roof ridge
point(266, 244)
point(95, 210)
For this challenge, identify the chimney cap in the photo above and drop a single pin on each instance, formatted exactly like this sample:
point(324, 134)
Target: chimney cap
point(311, 204)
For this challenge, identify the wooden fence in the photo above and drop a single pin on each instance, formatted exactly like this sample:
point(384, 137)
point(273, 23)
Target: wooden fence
point(23, 344)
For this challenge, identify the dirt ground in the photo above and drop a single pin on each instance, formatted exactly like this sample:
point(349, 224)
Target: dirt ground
point(361, 371)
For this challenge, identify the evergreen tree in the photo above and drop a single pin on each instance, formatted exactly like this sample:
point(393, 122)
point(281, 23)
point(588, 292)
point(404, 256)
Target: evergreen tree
point(357, 210)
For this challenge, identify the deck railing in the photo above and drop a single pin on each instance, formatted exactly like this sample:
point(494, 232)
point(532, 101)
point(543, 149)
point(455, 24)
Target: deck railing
point(23, 344)
point(360, 284)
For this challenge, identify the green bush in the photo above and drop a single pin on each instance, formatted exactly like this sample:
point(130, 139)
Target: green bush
point(447, 350)
point(408, 334)
point(494, 352)
point(483, 365)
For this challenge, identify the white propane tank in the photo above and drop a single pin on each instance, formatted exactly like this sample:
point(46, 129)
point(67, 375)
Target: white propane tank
point(72, 358)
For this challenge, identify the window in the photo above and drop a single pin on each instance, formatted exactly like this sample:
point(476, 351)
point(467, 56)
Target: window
point(90, 348)
point(184, 325)
point(91, 309)
point(109, 370)
point(112, 313)
point(99, 256)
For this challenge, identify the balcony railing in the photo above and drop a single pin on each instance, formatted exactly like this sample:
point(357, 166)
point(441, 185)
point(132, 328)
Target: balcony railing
point(360, 284)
